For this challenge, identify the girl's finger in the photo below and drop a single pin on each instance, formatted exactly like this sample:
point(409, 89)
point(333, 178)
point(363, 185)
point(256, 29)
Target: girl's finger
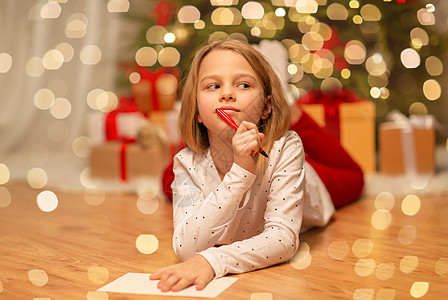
point(181, 284)
point(167, 284)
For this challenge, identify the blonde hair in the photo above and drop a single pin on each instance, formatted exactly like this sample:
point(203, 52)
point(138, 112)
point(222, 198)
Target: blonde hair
point(194, 134)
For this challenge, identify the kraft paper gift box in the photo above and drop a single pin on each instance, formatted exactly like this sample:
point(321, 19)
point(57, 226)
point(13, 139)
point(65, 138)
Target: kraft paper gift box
point(123, 161)
point(350, 120)
point(407, 146)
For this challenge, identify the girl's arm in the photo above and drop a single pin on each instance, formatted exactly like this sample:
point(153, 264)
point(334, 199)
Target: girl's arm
point(200, 220)
point(283, 218)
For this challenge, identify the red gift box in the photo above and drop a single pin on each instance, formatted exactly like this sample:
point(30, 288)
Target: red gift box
point(123, 123)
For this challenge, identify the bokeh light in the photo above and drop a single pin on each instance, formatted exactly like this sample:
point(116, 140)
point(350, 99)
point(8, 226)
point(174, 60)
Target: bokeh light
point(147, 203)
point(5, 62)
point(365, 266)
point(97, 295)
point(419, 289)
point(409, 263)
point(362, 248)
point(337, 11)
point(306, 6)
point(381, 219)
point(66, 50)
point(5, 197)
point(147, 243)
point(146, 56)
point(76, 26)
point(98, 275)
point(37, 178)
point(188, 14)
point(169, 57)
point(385, 271)
point(338, 250)
point(44, 99)
point(156, 34)
point(361, 294)
point(441, 266)
point(38, 277)
point(385, 200)
point(434, 66)
point(47, 201)
point(81, 146)
point(355, 52)
point(86, 180)
point(118, 6)
point(410, 205)
point(90, 55)
point(432, 89)
point(261, 296)
point(252, 10)
point(50, 10)
point(302, 259)
point(4, 174)
point(370, 12)
point(34, 67)
point(418, 108)
point(53, 59)
point(407, 234)
point(61, 108)
point(410, 58)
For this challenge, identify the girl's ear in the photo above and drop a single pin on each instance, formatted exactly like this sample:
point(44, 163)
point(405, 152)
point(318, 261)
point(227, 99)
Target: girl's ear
point(267, 109)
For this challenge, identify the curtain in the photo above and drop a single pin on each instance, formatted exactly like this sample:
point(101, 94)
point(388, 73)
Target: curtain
point(53, 54)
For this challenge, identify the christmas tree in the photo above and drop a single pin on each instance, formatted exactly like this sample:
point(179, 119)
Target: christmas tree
point(386, 51)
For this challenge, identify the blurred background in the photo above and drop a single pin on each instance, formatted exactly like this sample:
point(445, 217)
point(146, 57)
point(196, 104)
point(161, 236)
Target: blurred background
point(89, 88)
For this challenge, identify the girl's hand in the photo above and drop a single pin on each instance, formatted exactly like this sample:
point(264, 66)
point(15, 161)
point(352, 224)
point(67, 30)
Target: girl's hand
point(246, 143)
point(194, 271)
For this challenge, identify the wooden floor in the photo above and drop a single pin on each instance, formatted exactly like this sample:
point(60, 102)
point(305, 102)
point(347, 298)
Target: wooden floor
point(370, 250)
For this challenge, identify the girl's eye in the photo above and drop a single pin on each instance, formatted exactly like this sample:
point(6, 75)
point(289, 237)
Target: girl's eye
point(243, 85)
point(213, 86)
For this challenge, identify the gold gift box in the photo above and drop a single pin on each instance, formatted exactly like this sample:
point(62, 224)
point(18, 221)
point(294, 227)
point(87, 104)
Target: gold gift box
point(106, 161)
point(406, 148)
point(356, 130)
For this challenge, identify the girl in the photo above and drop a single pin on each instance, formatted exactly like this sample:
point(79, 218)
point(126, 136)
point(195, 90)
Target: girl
point(234, 210)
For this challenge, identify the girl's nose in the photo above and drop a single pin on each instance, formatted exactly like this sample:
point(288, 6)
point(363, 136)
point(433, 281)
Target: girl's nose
point(227, 96)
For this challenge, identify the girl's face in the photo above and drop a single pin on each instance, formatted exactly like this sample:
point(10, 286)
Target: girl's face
point(227, 81)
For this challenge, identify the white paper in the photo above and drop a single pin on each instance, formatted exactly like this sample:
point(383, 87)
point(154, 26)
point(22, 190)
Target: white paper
point(139, 283)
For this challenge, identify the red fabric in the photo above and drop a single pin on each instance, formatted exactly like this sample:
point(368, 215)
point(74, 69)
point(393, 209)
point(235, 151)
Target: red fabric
point(342, 176)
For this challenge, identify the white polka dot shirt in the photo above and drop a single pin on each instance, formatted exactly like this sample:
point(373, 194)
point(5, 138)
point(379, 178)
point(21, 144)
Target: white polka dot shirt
point(246, 221)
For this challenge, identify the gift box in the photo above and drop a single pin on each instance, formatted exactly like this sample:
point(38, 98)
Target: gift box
point(124, 161)
point(123, 123)
point(350, 120)
point(407, 146)
point(156, 90)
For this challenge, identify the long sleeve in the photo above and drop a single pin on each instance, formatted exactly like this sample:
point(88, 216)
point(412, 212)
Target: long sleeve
point(200, 219)
point(283, 190)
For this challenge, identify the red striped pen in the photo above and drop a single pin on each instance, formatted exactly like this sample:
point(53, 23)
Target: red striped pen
point(232, 123)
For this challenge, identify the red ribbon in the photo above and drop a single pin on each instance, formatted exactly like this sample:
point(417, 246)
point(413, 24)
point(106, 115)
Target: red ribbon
point(123, 164)
point(330, 102)
point(163, 11)
point(126, 105)
point(152, 77)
